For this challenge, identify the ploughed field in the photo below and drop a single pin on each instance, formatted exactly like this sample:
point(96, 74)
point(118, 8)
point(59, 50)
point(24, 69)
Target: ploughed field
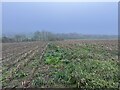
point(69, 63)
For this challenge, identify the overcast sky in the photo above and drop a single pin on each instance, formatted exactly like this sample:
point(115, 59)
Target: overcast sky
point(84, 18)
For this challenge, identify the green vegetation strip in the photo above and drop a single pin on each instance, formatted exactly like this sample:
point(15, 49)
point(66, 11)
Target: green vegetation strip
point(68, 70)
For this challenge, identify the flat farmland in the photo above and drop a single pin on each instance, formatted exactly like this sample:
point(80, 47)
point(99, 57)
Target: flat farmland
point(68, 63)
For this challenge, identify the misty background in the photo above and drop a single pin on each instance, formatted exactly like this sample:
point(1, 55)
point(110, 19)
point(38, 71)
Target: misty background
point(82, 17)
point(69, 20)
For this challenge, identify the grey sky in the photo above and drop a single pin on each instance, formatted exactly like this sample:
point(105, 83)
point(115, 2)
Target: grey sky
point(85, 18)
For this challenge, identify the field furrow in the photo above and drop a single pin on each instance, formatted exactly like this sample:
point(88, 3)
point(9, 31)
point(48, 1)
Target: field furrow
point(66, 64)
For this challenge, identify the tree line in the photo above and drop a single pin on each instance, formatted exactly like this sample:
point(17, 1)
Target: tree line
point(37, 36)
point(49, 36)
